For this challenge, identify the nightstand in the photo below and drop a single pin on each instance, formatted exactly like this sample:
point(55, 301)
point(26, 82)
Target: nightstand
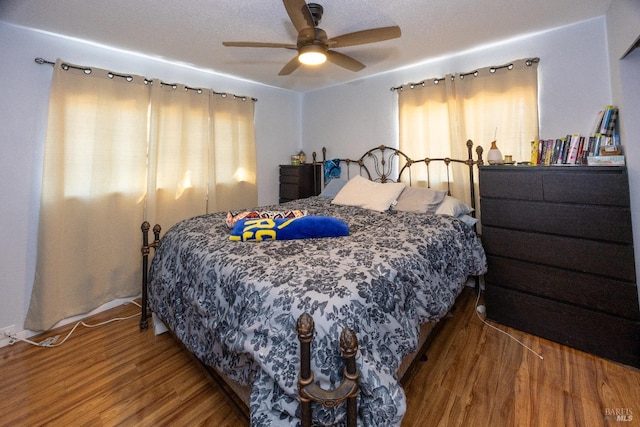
point(299, 181)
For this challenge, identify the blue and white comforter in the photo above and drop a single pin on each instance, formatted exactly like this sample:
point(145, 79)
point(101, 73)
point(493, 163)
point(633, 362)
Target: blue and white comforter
point(235, 304)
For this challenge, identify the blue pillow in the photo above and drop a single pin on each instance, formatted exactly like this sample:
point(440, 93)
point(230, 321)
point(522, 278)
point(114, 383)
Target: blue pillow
point(332, 188)
point(306, 227)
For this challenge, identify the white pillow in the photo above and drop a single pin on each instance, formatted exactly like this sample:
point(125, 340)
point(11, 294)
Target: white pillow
point(361, 192)
point(415, 199)
point(454, 207)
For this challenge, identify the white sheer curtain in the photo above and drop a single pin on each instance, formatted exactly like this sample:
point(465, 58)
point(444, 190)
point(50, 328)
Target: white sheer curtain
point(438, 116)
point(120, 150)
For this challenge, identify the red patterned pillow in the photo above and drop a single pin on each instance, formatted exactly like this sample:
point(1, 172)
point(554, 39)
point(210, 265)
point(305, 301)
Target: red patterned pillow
point(233, 217)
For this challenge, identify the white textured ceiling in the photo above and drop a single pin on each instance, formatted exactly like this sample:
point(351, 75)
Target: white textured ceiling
point(192, 31)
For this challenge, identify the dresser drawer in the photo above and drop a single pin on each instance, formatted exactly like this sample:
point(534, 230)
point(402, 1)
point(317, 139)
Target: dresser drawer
point(510, 183)
point(607, 259)
point(583, 289)
point(598, 333)
point(611, 223)
point(609, 187)
point(585, 185)
point(289, 191)
point(290, 179)
point(292, 170)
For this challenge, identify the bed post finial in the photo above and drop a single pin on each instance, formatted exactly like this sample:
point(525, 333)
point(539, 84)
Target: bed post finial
point(479, 151)
point(349, 347)
point(305, 327)
point(309, 391)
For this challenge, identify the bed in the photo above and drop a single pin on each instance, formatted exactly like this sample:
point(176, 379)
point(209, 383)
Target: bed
point(234, 304)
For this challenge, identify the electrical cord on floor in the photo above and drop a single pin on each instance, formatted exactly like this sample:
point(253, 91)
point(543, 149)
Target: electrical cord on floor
point(52, 341)
point(481, 308)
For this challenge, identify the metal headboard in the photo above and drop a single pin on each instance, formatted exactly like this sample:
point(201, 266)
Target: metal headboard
point(379, 163)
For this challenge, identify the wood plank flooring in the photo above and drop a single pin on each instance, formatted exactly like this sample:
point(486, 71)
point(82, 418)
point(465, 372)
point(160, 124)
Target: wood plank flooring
point(113, 375)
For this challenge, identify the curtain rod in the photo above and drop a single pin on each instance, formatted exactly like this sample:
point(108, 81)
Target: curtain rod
point(88, 70)
point(492, 69)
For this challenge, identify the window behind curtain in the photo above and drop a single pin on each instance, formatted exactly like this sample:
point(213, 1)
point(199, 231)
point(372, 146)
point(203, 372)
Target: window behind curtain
point(493, 103)
point(233, 183)
point(119, 151)
point(501, 105)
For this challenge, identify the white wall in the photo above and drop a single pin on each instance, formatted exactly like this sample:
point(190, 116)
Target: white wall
point(623, 29)
point(25, 91)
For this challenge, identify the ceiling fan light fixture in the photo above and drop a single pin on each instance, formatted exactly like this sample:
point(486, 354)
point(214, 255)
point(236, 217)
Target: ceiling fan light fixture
point(313, 45)
point(312, 54)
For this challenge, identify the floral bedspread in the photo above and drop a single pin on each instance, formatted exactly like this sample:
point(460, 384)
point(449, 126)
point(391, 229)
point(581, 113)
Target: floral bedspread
point(235, 304)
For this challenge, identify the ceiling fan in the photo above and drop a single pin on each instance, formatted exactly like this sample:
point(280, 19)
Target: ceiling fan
point(313, 45)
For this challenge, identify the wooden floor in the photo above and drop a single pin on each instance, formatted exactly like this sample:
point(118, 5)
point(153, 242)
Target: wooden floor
point(114, 375)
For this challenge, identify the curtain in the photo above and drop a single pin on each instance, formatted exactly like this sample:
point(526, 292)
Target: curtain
point(92, 192)
point(418, 111)
point(120, 150)
point(233, 183)
point(500, 104)
point(178, 157)
point(437, 117)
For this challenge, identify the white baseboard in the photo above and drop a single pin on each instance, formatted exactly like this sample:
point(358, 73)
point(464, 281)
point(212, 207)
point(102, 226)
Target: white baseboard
point(27, 333)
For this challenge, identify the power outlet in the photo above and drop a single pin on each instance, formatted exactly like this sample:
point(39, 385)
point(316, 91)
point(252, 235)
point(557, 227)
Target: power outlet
point(7, 331)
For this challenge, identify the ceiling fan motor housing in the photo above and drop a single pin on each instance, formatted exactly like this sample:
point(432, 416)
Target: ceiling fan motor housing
point(316, 11)
point(312, 36)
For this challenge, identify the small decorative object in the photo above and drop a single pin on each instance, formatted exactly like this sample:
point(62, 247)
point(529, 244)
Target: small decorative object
point(508, 159)
point(494, 156)
point(302, 157)
point(295, 160)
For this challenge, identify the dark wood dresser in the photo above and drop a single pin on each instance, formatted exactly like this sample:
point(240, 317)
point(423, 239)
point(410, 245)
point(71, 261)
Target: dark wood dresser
point(299, 181)
point(560, 253)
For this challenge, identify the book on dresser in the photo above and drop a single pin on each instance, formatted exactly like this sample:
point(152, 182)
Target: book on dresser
point(560, 256)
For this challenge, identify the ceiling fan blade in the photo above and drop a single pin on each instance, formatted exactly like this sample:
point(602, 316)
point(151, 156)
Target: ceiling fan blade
point(290, 67)
point(344, 61)
point(366, 36)
point(299, 14)
point(260, 44)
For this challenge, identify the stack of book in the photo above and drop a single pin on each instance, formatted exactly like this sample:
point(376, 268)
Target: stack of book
point(601, 147)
